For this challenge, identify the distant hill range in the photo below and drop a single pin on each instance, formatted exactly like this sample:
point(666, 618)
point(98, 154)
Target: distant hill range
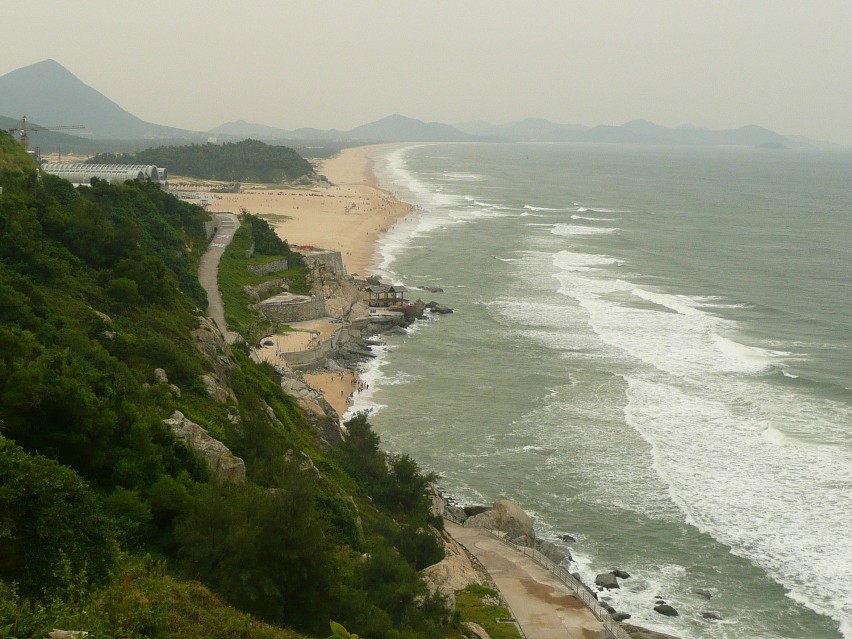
point(48, 94)
point(635, 132)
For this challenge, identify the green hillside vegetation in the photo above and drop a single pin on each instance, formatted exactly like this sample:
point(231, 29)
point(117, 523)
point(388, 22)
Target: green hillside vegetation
point(234, 276)
point(108, 523)
point(246, 161)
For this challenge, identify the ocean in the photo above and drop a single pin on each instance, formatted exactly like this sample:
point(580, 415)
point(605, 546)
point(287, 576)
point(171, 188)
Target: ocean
point(651, 351)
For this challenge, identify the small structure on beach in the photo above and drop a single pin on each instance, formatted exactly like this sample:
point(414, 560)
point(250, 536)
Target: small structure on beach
point(384, 295)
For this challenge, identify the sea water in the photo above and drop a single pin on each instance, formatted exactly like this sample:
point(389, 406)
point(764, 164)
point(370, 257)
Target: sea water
point(651, 351)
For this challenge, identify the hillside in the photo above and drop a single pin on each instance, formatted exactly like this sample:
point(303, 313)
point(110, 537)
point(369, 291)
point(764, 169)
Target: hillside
point(246, 161)
point(109, 520)
point(46, 92)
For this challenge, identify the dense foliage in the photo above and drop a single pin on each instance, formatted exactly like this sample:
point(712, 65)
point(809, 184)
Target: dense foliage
point(102, 509)
point(246, 161)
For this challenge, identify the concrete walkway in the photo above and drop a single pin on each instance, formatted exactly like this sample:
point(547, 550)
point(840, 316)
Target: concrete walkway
point(543, 606)
point(208, 270)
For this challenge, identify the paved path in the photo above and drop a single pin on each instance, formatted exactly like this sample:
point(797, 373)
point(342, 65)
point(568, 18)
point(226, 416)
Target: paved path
point(208, 270)
point(543, 606)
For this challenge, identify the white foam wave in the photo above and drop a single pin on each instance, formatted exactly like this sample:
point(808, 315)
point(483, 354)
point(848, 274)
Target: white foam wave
point(750, 484)
point(529, 207)
point(594, 219)
point(464, 177)
point(576, 229)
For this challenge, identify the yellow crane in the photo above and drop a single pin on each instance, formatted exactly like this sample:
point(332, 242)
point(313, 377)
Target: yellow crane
point(23, 129)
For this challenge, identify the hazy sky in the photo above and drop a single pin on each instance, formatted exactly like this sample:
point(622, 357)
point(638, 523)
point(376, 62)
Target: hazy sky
point(783, 64)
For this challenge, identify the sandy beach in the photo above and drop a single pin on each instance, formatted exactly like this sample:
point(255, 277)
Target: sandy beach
point(348, 216)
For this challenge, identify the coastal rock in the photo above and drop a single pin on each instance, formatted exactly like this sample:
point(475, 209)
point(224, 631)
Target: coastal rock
point(223, 464)
point(621, 616)
point(507, 517)
point(637, 632)
point(487, 520)
point(472, 511)
point(568, 539)
point(621, 574)
point(512, 519)
point(711, 615)
point(607, 580)
point(667, 610)
point(440, 309)
point(551, 551)
point(432, 289)
point(703, 592)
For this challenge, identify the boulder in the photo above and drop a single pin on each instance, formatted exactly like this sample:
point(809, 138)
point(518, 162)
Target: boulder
point(711, 615)
point(488, 520)
point(621, 574)
point(703, 592)
point(551, 551)
point(667, 610)
point(568, 539)
point(471, 511)
point(160, 376)
point(223, 464)
point(512, 519)
point(637, 632)
point(621, 616)
point(607, 580)
point(440, 309)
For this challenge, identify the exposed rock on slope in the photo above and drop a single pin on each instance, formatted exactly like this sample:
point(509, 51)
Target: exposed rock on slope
point(224, 465)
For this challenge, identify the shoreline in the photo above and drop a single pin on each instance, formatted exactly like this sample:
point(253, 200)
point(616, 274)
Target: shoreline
point(350, 214)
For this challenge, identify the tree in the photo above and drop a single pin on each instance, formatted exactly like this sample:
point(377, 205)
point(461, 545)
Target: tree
point(50, 522)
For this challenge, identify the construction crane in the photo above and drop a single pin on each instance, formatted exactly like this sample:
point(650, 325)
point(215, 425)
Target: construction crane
point(23, 129)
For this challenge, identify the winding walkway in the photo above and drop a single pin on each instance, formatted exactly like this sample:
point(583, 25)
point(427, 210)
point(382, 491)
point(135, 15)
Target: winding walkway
point(208, 270)
point(543, 606)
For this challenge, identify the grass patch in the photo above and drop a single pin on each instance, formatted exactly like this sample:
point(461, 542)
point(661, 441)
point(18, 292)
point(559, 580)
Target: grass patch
point(473, 604)
point(234, 276)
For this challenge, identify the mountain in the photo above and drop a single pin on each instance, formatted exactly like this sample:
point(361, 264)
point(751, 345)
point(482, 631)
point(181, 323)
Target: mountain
point(398, 128)
point(241, 128)
point(634, 132)
point(527, 130)
point(46, 92)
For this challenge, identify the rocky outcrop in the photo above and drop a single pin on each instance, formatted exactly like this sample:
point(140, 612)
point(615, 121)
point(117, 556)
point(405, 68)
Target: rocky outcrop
point(637, 632)
point(210, 342)
point(607, 580)
point(667, 610)
point(440, 309)
point(508, 517)
point(223, 464)
point(454, 572)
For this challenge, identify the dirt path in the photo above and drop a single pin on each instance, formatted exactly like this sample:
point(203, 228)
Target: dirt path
point(208, 269)
point(543, 606)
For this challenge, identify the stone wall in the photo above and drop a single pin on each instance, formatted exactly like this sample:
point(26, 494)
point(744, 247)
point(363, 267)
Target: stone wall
point(332, 260)
point(270, 267)
point(287, 311)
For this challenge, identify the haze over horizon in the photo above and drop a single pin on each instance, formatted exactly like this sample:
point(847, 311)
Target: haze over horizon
point(785, 66)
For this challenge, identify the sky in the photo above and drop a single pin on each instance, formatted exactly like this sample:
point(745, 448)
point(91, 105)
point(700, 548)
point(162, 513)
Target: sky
point(782, 64)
